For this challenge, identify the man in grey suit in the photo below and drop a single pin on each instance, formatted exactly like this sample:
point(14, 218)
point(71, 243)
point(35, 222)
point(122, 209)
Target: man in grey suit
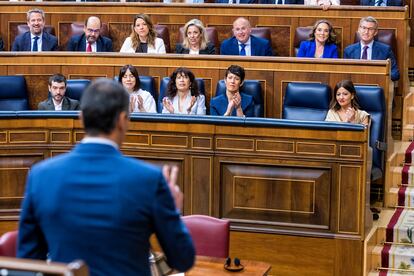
point(58, 101)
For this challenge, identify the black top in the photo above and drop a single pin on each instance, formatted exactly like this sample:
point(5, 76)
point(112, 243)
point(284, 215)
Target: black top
point(209, 50)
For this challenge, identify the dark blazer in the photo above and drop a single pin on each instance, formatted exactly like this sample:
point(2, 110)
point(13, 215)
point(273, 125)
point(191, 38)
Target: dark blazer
point(218, 105)
point(259, 46)
point(287, 2)
point(209, 50)
point(307, 49)
point(77, 43)
point(68, 104)
point(23, 43)
point(241, 1)
point(389, 2)
point(380, 51)
point(1, 44)
point(97, 205)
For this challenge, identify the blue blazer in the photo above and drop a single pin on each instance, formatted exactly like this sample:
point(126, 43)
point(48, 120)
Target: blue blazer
point(77, 43)
point(97, 205)
point(287, 2)
point(23, 43)
point(218, 105)
point(259, 46)
point(380, 51)
point(307, 49)
point(389, 3)
point(241, 1)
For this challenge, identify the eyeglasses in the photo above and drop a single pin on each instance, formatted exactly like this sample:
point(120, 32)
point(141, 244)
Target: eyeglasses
point(367, 29)
point(93, 30)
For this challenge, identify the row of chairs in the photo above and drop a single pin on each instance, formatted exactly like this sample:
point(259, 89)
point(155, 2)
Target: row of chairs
point(211, 237)
point(386, 36)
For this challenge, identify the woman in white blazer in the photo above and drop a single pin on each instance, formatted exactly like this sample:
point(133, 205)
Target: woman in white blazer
point(143, 38)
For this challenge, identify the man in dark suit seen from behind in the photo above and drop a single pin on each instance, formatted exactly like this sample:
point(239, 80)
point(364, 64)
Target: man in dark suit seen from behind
point(243, 43)
point(369, 49)
point(57, 99)
point(381, 3)
point(90, 40)
point(35, 40)
point(282, 2)
point(97, 205)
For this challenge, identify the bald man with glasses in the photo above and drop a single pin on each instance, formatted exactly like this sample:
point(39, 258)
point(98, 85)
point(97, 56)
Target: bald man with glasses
point(91, 40)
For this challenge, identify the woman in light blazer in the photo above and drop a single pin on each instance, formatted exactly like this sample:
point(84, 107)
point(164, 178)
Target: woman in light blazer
point(143, 38)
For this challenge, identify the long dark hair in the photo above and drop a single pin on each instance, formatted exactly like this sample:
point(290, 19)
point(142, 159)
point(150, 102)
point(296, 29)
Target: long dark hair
point(172, 88)
point(133, 71)
point(348, 85)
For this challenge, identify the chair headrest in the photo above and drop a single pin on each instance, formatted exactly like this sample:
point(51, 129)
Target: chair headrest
point(163, 32)
point(76, 87)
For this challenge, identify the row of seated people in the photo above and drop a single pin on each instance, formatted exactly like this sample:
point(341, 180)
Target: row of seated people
point(319, 41)
point(182, 93)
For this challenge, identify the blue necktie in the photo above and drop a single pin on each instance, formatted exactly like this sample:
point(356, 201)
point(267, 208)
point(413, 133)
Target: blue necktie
point(34, 49)
point(378, 3)
point(243, 50)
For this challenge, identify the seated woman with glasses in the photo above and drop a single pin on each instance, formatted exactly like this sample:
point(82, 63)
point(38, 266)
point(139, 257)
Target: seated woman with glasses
point(344, 105)
point(143, 38)
point(321, 43)
point(195, 40)
point(233, 103)
point(183, 96)
point(139, 100)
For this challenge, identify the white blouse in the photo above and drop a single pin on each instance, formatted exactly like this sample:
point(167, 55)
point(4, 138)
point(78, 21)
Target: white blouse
point(199, 107)
point(149, 102)
point(158, 49)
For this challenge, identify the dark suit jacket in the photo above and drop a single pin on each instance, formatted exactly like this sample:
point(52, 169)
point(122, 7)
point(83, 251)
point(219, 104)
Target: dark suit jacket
point(209, 50)
point(23, 43)
point(218, 105)
point(77, 43)
point(241, 1)
point(68, 104)
point(259, 46)
point(308, 48)
point(380, 51)
point(389, 2)
point(1, 44)
point(97, 205)
point(287, 2)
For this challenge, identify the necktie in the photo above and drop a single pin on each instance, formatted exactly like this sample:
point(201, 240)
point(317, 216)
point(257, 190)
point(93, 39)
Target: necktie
point(89, 48)
point(378, 3)
point(34, 48)
point(243, 50)
point(365, 53)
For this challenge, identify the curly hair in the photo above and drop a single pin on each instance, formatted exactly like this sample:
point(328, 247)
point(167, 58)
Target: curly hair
point(172, 87)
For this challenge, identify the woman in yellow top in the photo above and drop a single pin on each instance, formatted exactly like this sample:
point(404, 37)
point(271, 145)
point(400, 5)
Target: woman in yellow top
point(344, 105)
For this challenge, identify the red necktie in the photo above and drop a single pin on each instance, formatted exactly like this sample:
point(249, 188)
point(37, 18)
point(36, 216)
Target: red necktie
point(89, 48)
point(365, 53)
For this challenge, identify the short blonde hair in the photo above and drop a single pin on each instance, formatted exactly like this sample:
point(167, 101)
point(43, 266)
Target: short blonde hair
point(203, 33)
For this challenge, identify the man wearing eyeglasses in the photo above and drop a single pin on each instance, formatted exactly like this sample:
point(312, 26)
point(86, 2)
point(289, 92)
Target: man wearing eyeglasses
point(90, 40)
point(370, 49)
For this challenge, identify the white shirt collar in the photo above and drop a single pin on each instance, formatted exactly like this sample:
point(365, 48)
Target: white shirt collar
point(369, 44)
point(247, 43)
point(99, 140)
point(57, 106)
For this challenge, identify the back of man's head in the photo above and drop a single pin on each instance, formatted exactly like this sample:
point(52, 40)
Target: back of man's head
point(101, 104)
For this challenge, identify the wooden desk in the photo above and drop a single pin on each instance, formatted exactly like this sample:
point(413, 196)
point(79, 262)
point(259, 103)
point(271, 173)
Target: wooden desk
point(215, 266)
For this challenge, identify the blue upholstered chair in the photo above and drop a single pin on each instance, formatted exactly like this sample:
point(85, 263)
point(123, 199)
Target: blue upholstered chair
point(306, 101)
point(250, 87)
point(163, 90)
point(13, 93)
point(372, 100)
point(75, 88)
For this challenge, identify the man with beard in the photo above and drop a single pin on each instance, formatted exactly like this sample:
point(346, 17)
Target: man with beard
point(58, 101)
point(35, 40)
point(90, 40)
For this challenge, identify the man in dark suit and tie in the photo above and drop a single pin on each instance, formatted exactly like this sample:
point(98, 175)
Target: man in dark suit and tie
point(370, 49)
point(90, 40)
point(244, 44)
point(382, 3)
point(35, 40)
point(100, 206)
point(58, 100)
point(282, 2)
